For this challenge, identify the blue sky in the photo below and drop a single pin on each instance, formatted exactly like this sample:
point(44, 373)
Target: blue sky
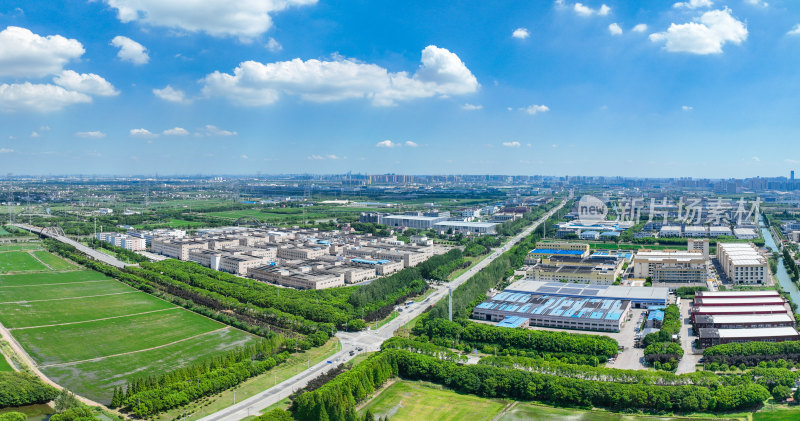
point(702, 88)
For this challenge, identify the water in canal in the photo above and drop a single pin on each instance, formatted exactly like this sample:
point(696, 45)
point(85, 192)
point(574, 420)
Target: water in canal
point(783, 275)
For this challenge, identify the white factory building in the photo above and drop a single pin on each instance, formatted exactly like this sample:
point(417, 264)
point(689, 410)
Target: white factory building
point(743, 263)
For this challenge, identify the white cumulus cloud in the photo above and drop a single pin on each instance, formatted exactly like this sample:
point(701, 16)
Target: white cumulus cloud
point(513, 144)
point(25, 54)
point(252, 83)
point(38, 97)
point(168, 93)
point(584, 10)
point(245, 19)
point(761, 3)
point(130, 50)
point(387, 144)
point(177, 131)
point(273, 45)
point(471, 107)
point(795, 30)
point(6, 150)
point(693, 4)
point(615, 29)
point(143, 133)
point(706, 35)
point(642, 27)
point(87, 83)
point(535, 109)
point(520, 33)
point(210, 130)
point(687, 108)
point(411, 144)
point(91, 135)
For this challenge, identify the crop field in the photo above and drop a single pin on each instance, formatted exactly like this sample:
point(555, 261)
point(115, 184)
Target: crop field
point(56, 263)
point(18, 247)
point(3, 232)
point(19, 261)
point(533, 412)
point(405, 400)
point(90, 333)
point(4, 365)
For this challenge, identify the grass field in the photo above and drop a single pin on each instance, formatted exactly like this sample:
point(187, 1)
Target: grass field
point(422, 401)
point(792, 414)
point(18, 247)
point(60, 292)
point(3, 232)
point(19, 261)
point(55, 262)
point(4, 365)
point(413, 400)
point(90, 333)
point(49, 278)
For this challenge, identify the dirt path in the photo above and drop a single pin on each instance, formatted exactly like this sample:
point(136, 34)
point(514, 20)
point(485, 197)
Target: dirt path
point(504, 411)
point(133, 352)
point(95, 320)
point(68, 298)
point(375, 394)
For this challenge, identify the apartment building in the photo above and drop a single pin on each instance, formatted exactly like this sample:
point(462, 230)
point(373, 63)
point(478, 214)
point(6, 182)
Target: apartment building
point(177, 248)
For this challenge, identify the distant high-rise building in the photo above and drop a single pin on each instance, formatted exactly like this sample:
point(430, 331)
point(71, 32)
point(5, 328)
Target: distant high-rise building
point(791, 175)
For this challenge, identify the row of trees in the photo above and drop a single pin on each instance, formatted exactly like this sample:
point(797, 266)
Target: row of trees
point(447, 333)
point(496, 382)
point(791, 266)
point(660, 351)
point(425, 348)
point(752, 353)
point(555, 367)
point(20, 389)
point(148, 396)
point(337, 399)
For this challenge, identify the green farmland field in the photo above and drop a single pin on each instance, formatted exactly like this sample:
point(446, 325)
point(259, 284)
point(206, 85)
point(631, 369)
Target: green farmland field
point(18, 247)
point(40, 313)
point(55, 262)
point(19, 261)
point(90, 333)
point(4, 365)
point(95, 339)
point(50, 278)
point(421, 401)
point(96, 379)
point(59, 292)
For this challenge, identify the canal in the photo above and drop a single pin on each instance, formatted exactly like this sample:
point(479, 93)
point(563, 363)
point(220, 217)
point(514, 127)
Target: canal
point(782, 275)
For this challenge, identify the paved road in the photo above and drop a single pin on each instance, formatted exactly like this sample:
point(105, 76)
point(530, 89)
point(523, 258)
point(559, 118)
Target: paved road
point(689, 361)
point(86, 249)
point(367, 340)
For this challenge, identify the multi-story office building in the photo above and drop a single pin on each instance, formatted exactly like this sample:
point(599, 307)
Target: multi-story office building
point(177, 248)
point(742, 263)
point(670, 266)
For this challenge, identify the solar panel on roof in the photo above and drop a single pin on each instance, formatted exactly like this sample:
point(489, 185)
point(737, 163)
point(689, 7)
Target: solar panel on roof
point(547, 290)
point(600, 286)
point(554, 284)
point(590, 292)
point(569, 291)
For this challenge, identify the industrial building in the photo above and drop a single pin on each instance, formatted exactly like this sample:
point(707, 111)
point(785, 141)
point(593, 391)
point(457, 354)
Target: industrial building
point(125, 241)
point(467, 228)
point(698, 244)
point(738, 310)
point(299, 258)
point(737, 294)
point(743, 263)
point(543, 253)
point(640, 297)
point(580, 313)
point(670, 266)
point(743, 321)
point(569, 269)
point(713, 336)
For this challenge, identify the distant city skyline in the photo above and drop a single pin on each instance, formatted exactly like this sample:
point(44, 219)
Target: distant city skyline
point(706, 89)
